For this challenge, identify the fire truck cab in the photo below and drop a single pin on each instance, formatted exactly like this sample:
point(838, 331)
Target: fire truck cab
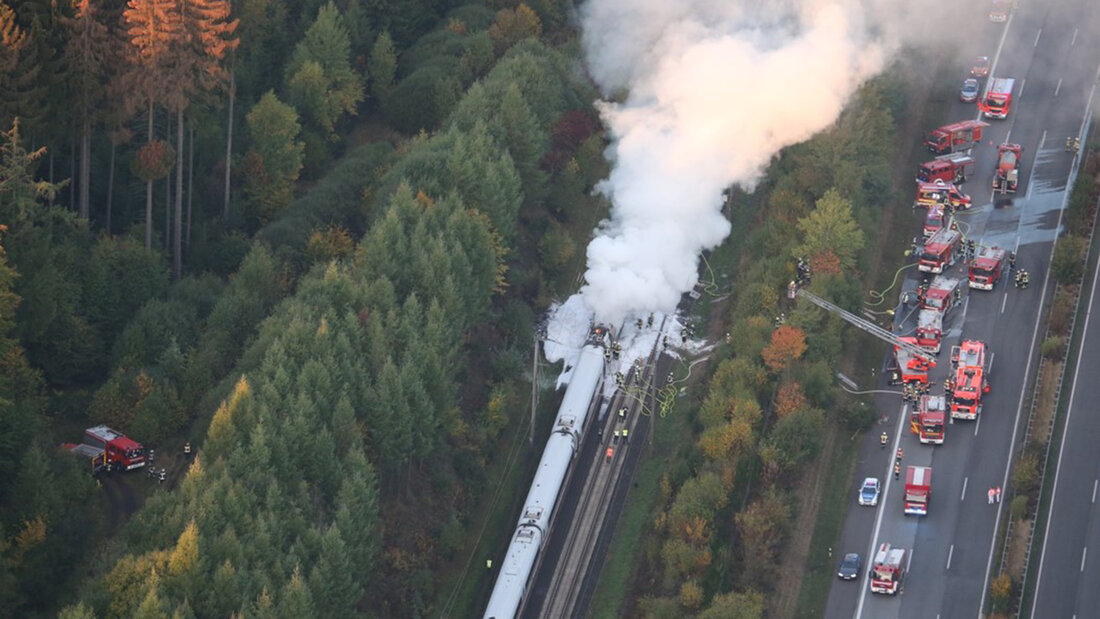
point(918, 490)
point(998, 98)
point(934, 220)
point(939, 251)
point(888, 569)
point(939, 192)
point(970, 382)
point(955, 137)
point(929, 419)
point(986, 267)
point(950, 168)
point(930, 330)
point(941, 294)
point(1007, 174)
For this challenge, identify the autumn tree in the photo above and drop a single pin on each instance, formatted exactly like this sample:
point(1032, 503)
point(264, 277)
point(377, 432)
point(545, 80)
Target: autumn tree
point(762, 527)
point(514, 25)
point(831, 228)
point(319, 78)
point(786, 346)
point(789, 399)
point(275, 159)
point(21, 94)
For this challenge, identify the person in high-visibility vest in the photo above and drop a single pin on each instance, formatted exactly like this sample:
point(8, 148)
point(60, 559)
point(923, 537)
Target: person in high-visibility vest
point(625, 432)
point(488, 564)
point(618, 433)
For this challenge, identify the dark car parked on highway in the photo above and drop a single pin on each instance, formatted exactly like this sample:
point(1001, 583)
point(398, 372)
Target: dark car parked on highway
point(849, 567)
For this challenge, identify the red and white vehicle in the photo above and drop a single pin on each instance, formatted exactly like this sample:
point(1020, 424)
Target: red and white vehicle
point(998, 11)
point(940, 251)
point(1007, 174)
point(907, 366)
point(941, 294)
point(986, 267)
point(929, 418)
point(109, 450)
point(971, 379)
point(950, 168)
point(955, 137)
point(888, 569)
point(939, 192)
point(918, 490)
point(934, 220)
point(930, 330)
point(998, 98)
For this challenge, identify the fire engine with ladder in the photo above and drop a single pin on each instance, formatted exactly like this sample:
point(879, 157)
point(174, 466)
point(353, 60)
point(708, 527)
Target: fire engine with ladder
point(971, 380)
point(888, 569)
point(986, 267)
point(911, 363)
point(936, 300)
point(929, 418)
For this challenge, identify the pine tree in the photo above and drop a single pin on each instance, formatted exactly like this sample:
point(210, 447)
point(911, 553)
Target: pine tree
point(382, 66)
point(276, 155)
point(19, 89)
point(319, 76)
point(90, 51)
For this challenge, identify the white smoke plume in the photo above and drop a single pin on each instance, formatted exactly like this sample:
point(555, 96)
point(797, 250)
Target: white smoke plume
point(715, 88)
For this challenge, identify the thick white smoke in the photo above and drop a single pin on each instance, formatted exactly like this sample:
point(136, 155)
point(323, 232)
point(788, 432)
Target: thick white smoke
point(714, 89)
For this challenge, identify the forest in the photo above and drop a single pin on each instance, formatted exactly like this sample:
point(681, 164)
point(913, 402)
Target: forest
point(309, 238)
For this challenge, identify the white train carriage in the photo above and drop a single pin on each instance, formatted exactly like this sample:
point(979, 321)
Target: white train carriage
point(533, 527)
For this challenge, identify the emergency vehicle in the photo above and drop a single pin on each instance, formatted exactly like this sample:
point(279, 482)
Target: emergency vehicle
point(941, 294)
point(998, 98)
point(929, 418)
point(939, 251)
point(930, 330)
point(955, 137)
point(939, 192)
point(970, 381)
point(888, 569)
point(998, 11)
point(950, 168)
point(986, 267)
point(918, 490)
point(109, 450)
point(1007, 174)
point(933, 220)
point(907, 366)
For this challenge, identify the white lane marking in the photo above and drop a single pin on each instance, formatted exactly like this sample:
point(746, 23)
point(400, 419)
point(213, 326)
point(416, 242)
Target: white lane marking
point(878, 514)
point(1058, 87)
point(1094, 482)
point(963, 496)
point(1005, 302)
point(1037, 35)
point(950, 552)
point(1007, 135)
point(1073, 385)
point(1023, 83)
point(1074, 41)
point(1084, 553)
point(978, 424)
point(1034, 162)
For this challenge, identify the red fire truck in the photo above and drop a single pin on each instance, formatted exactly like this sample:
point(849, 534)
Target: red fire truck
point(971, 379)
point(928, 419)
point(950, 168)
point(1007, 174)
point(933, 220)
point(998, 99)
point(908, 367)
point(941, 294)
point(109, 450)
point(939, 192)
point(930, 330)
point(986, 267)
point(888, 569)
point(955, 137)
point(939, 251)
point(918, 490)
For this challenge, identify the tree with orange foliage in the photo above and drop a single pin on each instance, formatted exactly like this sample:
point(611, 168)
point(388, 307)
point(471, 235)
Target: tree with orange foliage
point(787, 344)
point(790, 399)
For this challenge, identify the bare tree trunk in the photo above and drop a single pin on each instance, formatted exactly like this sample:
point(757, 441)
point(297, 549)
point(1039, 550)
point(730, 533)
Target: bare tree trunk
point(85, 168)
point(50, 200)
point(168, 201)
point(229, 143)
point(72, 175)
point(190, 185)
point(111, 186)
point(177, 232)
point(149, 193)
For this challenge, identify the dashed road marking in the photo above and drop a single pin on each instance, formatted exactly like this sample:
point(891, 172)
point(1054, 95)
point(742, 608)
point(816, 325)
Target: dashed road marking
point(1037, 35)
point(1058, 87)
point(1074, 40)
point(1084, 553)
point(950, 552)
point(963, 496)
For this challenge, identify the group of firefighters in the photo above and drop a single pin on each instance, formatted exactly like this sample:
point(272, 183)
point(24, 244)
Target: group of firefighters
point(1073, 144)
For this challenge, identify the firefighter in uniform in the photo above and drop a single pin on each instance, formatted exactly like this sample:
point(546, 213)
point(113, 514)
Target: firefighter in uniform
point(625, 433)
point(622, 414)
point(618, 433)
point(883, 439)
point(897, 470)
point(187, 450)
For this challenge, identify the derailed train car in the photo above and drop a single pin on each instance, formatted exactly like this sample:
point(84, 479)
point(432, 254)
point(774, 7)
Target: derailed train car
point(533, 528)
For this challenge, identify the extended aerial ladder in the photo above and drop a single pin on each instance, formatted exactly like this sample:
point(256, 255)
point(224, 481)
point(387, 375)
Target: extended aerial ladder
point(906, 344)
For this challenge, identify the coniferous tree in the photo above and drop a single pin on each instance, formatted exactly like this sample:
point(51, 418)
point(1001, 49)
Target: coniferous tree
point(20, 92)
point(319, 77)
point(276, 155)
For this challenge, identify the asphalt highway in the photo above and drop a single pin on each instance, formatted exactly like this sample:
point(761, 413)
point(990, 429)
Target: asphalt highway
point(1052, 51)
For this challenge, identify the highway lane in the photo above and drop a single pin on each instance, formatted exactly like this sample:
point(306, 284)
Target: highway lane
point(952, 546)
